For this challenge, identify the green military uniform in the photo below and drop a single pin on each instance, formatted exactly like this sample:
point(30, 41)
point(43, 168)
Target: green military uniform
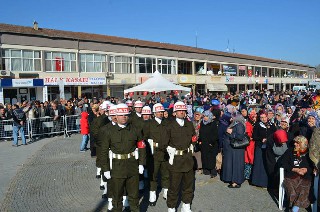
point(181, 171)
point(95, 127)
point(159, 162)
point(124, 172)
point(136, 121)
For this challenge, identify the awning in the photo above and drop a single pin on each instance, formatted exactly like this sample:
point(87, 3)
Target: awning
point(217, 87)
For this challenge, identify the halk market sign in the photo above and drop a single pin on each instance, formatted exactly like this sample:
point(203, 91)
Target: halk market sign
point(75, 80)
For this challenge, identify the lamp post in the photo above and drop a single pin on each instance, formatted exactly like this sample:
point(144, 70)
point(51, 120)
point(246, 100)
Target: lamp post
point(109, 76)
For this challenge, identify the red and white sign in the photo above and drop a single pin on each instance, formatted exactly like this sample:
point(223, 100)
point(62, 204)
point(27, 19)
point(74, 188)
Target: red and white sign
point(75, 80)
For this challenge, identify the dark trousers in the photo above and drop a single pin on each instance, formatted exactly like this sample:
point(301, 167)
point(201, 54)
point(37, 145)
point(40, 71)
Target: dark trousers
point(92, 147)
point(187, 180)
point(131, 185)
point(161, 166)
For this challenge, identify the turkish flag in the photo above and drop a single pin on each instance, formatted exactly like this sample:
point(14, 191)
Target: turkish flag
point(249, 73)
point(59, 64)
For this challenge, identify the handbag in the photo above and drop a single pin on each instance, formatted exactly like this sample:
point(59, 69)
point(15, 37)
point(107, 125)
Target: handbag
point(239, 144)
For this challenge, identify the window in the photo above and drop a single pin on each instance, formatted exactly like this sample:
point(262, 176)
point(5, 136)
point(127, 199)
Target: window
point(92, 63)
point(264, 72)
point(145, 65)
point(21, 60)
point(257, 71)
point(184, 67)
point(166, 66)
point(120, 64)
point(242, 71)
point(60, 61)
point(271, 72)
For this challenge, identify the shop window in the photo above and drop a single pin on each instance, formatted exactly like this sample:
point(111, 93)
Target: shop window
point(242, 87)
point(201, 89)
point(92, 63)
point(21, 60)
point(60, 61)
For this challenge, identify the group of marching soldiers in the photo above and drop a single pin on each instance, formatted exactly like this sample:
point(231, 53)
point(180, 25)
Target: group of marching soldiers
point(134, 141)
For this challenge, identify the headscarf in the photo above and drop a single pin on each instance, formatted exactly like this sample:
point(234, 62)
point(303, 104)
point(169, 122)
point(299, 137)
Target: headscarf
point(238, 118)
point(315, 115)
point(208, 114)
point(230, 109)
point(303, 145)
point(252, 114)
point(278, 105)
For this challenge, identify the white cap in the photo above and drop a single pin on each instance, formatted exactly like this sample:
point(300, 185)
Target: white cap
point(104, 105)
point(179, 106)
point(122, 109)
point(138, 104)
point(109, 105)
point(146, 110)
point(113, 110)
point(129, 103)
point(158, 108)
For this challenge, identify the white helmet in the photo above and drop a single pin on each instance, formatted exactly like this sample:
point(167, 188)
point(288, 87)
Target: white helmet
point(109, 105)
point(158, 108)
point(104, 105)
point(179, 106)
point(113, 110)
point(146, 110)
point(138, 104)
point(122, 109)
point(129, 103)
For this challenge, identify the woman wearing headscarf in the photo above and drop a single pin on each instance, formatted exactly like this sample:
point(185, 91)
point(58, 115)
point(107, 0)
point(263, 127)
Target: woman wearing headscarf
point(249, 150)
point(312, 123)
point(298, 170)
point(208, 139)
point(261, 132)
point(196, 124)
point(233, 159)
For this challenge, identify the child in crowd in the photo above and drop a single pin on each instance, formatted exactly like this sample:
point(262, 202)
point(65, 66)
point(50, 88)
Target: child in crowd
point(84, 124)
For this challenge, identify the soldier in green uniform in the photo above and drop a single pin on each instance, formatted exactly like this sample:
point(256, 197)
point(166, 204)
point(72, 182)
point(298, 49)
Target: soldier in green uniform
point(155, 132)
point(123, 157)
point(99, 121)
point(181, 135)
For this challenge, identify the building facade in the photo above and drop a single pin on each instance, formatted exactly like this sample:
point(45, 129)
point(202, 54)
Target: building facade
point(98, 65)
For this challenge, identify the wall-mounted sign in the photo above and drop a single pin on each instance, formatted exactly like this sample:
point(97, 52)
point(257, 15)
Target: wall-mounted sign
point(75, 80)
point(230, 69)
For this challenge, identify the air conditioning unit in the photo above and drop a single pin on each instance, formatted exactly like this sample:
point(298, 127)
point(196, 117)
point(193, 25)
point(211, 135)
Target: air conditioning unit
point(5, 73)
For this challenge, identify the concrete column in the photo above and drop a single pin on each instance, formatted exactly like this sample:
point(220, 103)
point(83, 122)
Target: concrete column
point(79, 90)
point(193, 67)
point(44, 93)
point(205, 66)
point(238, 87)
point(1, 95)
point(284, 86)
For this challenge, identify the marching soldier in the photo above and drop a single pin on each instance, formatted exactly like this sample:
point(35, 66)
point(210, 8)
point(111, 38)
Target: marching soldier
point(123, 157)
point(181, 135)
point(96, 124)
point(156, 133)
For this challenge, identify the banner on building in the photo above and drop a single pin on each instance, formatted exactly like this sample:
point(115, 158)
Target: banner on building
point(230, 69)
point(75, 80)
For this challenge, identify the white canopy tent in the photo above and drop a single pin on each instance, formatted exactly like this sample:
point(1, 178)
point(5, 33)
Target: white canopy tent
point(156, 83)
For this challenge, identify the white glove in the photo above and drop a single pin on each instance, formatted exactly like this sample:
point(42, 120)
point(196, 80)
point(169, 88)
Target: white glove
point(107, 174)
point(141, 169)
point(171, 152)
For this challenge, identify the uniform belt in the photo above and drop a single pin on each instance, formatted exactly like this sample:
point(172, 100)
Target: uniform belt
point(182, 152)
point(123, 156)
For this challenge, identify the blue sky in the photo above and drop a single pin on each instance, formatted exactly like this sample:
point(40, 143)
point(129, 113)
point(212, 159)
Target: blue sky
point(279, 29)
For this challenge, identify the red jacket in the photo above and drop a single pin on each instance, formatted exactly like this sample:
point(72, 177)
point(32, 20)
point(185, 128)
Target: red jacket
point(249, 151)
point(84, 123)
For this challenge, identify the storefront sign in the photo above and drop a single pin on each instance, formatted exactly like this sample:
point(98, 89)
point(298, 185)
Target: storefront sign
point(186, 79)
point(75, 80)
point(22, 82)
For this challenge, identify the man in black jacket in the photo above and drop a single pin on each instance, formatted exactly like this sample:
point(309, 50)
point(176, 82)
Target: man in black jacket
point(19, 119)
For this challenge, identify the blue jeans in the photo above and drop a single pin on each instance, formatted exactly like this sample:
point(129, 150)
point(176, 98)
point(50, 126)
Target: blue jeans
point(16, 130)
point(84, 143)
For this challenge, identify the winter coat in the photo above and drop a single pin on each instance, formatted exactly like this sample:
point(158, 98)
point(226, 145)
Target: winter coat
point(314, 147)
point(249, 151)
point(84, 124)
